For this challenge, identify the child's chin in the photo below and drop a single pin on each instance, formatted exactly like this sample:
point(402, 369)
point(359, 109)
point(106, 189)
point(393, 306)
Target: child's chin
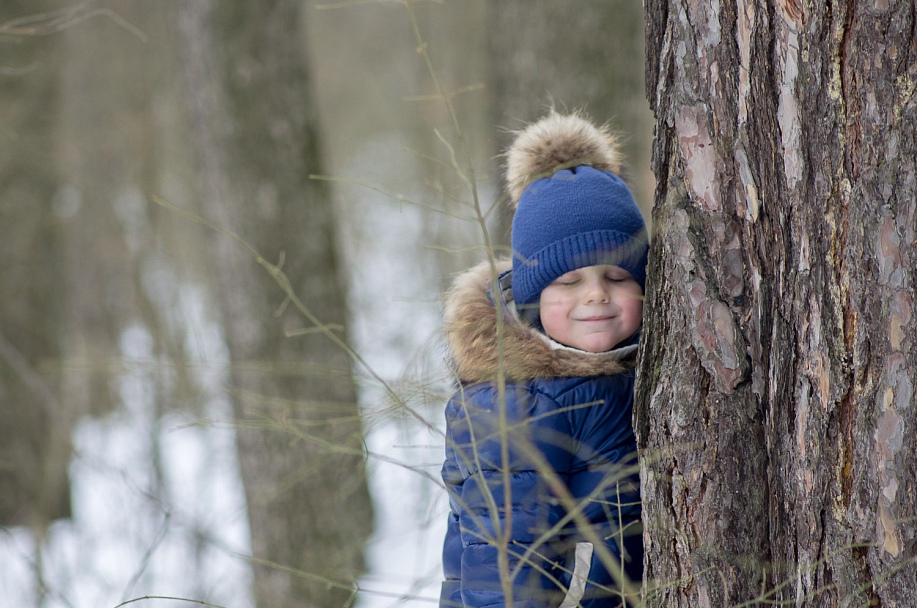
point(596, 345)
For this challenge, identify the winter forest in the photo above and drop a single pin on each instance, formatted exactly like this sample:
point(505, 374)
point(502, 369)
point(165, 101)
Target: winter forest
point(226, 228)
point(173, 424)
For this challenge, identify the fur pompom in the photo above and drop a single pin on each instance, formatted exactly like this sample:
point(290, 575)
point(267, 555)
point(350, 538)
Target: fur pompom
point(555, 142)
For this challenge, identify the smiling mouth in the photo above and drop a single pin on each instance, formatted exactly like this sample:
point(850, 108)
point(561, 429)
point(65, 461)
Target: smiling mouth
point(604, 318)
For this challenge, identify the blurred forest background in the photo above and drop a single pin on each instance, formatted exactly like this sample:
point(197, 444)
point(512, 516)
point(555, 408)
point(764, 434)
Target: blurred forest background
point(181, 417)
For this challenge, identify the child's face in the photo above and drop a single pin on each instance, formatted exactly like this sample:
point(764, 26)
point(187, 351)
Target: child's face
point(593, 308)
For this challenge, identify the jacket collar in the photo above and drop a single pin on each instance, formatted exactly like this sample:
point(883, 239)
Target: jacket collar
point(471, 330)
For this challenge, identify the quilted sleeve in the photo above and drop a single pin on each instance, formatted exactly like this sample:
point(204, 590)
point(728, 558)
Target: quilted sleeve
point(604, 477)
point(450, 595)
point(501, 463)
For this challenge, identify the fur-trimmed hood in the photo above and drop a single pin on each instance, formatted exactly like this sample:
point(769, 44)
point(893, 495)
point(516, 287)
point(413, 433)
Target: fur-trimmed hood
point(470, 327)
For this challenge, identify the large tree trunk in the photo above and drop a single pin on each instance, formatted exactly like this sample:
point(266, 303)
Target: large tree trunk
point(775, 401)
point(299, 431)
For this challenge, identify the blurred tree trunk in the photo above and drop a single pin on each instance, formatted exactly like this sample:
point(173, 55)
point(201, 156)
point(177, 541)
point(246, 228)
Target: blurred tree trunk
point(104, 142)
point(775, 398)
point(581, 55)
point(299, 430)
point(34, 428)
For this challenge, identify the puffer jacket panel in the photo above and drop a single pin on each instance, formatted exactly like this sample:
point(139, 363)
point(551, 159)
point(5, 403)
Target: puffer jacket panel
point(512, 471)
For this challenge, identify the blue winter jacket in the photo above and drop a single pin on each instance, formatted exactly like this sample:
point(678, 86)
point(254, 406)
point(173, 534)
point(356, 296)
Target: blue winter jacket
point(542, 479)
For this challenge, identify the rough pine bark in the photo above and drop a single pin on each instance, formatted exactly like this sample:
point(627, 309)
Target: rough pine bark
point(775, 400)
point(299, 431)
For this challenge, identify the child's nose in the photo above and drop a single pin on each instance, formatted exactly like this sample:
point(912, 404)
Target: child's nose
point(597, 292)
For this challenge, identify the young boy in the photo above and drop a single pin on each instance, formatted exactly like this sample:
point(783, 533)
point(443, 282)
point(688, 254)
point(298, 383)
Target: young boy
point(544, 496)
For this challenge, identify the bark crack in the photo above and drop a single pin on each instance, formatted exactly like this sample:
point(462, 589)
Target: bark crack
point(850, 107)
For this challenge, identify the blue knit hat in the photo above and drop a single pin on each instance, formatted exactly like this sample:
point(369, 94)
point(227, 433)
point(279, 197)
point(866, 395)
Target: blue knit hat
point(572, 210)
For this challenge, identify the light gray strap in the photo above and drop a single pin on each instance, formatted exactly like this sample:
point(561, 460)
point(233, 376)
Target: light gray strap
point(583, 563)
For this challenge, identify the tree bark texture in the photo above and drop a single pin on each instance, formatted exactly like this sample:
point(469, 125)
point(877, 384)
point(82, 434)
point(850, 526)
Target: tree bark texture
point(775, 401)
point(299, 431)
